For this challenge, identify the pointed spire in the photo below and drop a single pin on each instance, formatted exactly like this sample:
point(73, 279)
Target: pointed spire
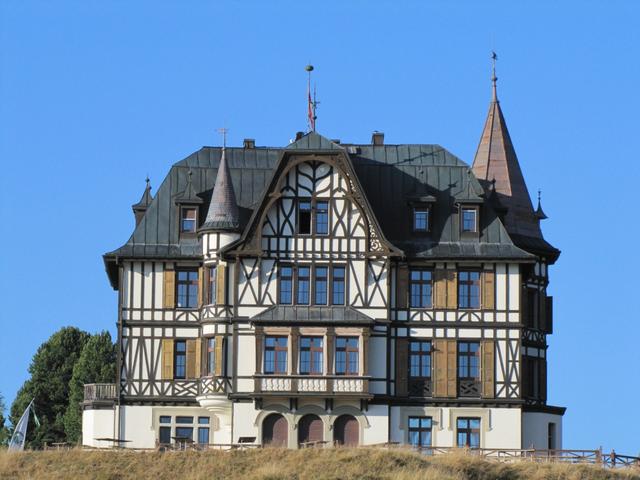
point(223, 213)
point(496, 160)
point(189, 194)
point(540, 215)
point(141, 207)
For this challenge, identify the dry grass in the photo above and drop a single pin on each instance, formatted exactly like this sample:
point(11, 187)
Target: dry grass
point(272, 464)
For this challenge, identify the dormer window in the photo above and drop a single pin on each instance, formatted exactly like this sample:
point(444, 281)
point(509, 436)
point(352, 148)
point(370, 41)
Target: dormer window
point(421, 219)
point(469, 221)
point(313, 217)
point(188, 219)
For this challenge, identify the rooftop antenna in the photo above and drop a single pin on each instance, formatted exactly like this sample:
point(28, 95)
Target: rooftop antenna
point(494, 78)
point(312, 103)
point(223, 131)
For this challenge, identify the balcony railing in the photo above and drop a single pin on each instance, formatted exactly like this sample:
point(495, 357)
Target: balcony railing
point(308, 384)
point(97, 392)
point(214, 386)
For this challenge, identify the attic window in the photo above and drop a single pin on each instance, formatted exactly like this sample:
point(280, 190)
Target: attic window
point(421, 219)
point(469, 219)
point(304, 217)
point(188, 217)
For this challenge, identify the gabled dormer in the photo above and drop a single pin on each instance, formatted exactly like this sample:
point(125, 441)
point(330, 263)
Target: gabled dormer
point(188, 203)
point(140, 208)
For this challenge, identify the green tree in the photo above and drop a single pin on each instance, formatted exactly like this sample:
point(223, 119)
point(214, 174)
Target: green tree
point(51, 370)
point(97, 364)
point(4, 430)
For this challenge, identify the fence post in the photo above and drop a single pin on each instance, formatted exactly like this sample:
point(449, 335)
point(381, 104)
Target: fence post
point(613, 458)
point(599, 458)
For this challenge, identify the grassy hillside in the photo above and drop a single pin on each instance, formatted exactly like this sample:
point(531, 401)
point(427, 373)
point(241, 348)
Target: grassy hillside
point(274, 464)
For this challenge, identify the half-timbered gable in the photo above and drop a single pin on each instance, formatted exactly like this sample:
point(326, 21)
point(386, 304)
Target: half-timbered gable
point(334, 293)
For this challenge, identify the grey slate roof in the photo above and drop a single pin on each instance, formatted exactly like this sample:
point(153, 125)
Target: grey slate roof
point(392, 176)
point(223, 211)
point(311, 314)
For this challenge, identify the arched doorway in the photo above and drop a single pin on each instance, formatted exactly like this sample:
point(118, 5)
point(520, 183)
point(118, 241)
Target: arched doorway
point(346, 431)
point(310, 429)
point(275, 431)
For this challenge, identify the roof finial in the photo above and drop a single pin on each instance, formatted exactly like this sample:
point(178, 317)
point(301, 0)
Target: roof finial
point(223, 131)
point(539, 213)
point(494, 78)
point(312, 103)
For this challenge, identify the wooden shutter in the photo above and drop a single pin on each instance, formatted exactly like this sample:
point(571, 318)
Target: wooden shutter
point(548, 315)
point(543, 379)
point(488, 369)
point(167, 359)
point(169, 288)
point(198, 357)
point(439, 372)
point(220, 284)
point(201, 290)
point(452, 289)
point(525, 377)
point(402, 366)
point(259, 336)
point(402, 290)
point(219, 353)
point(440, 287)
point(452, 368)
point(524, 306)
point(488, 290)
point(191, 358)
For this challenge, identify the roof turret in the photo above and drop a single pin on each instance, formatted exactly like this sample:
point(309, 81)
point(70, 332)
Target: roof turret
point(223, 213)
point(140, 208)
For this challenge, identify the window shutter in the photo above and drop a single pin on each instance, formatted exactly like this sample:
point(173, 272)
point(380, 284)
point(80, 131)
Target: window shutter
point(525, 375)
point(524, 306)
point(198, 357)
point(220, 283)
point(488, 290)
point(543, 379)
point(201, 286)
point(219, 353)
point(548, 315)
point(169, 288)
point(440, 369)
point(402, 366)
point(440, 287)
point(452, 289)
point(167, 359)
point(259, 335)
point(191, 358)
point(402, 290)
point(452, 368)
point(488, 369)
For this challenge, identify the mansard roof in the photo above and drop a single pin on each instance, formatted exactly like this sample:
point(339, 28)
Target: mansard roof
point(393, 177)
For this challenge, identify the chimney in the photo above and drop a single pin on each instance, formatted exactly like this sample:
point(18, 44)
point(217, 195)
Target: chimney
point(299, 135)
point(377, 138)
point(249, 143)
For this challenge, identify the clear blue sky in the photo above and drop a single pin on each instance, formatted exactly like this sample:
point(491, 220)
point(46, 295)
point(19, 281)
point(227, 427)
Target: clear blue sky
point(96, 95)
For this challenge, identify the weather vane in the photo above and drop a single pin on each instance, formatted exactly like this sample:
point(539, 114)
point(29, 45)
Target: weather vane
point(494, 78)
point(223, 131)
point(312, 103)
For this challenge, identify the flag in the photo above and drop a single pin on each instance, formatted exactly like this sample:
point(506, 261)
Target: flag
point(16, 444)
point(310, 113)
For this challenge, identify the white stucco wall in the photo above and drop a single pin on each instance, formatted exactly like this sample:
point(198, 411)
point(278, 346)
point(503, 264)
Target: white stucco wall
point(535, 427)
point(98, 424)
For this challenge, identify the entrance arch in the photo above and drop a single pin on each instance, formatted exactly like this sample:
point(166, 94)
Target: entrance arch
point(346, 431)
point(310, 429)
point(275, 431)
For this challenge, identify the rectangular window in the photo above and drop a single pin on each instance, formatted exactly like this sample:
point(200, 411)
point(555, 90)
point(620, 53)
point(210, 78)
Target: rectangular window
point(188, 219)
point(347, 356)
point(184, 434)
point(180, 359)
point(468, 432)
point(275, 355)
point(302, 287)
point(203, 435)
point(304, 217)
point(469, 361)
point(468, 289)
point(421, 219)
point(286, 285)
point(420, 359)
point(320, 286)
point(184, 420)
point(420, 431)
point(322, 218)
point(203, 420)
point(420, 286)
point(337, 286)
point(311, 356)
point(187, 287)
point(469, 220)
point(165, 419)
point(212, 284)
point(211, 356)
point(165, 435)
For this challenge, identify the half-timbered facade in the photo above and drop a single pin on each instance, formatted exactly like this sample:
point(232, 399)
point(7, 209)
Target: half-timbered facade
point(330, 292)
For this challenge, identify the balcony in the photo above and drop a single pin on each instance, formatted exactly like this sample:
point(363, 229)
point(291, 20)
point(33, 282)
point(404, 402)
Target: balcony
point(98, 395)
point(214, 386)
point(309, 385)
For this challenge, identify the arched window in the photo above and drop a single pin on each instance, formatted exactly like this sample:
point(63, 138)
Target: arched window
point(346, 431)
point(275, 431)
point(310, 429)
